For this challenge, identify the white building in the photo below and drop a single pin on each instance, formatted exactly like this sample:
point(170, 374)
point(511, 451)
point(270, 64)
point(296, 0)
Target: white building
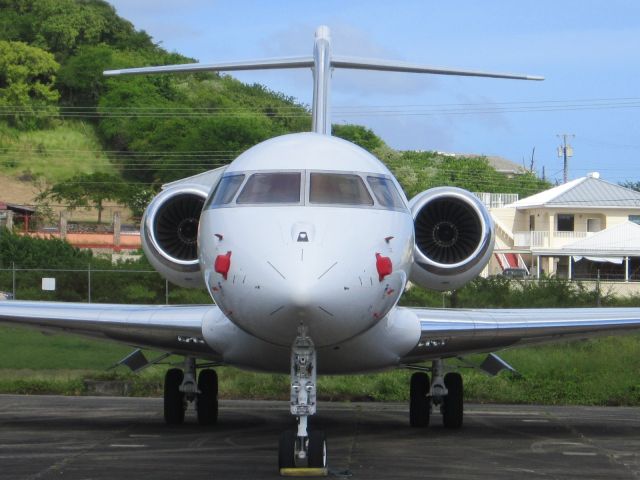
point(578, 230)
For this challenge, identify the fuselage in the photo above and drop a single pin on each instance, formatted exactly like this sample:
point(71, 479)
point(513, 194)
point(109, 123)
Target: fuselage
point(306, 230)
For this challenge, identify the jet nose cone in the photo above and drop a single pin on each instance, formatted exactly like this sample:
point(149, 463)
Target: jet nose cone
point(301, 296)
point(293, 267)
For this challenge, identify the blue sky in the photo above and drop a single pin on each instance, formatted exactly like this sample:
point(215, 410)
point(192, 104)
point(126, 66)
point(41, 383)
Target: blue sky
point(588, 51)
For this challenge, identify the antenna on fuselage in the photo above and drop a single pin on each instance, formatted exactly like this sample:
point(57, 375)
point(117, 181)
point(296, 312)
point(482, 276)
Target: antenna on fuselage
point(322, 63)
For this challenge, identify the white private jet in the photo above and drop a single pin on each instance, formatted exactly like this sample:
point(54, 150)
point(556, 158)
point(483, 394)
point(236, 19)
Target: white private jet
point(306, 243)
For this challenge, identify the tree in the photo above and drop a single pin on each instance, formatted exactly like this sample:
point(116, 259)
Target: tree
point(80, 79)
point(418, 171)
point(86, 190)
point(27, 75)
point(631, 185)
point(30, 252)
point(359, 135)
point(138, 198)
point(240, 117)
point(61, 26)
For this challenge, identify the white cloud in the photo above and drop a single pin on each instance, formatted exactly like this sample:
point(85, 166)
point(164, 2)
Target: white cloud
point(153, 8)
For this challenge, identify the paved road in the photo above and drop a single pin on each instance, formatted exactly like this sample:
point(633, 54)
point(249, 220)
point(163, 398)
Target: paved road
point(46, 437)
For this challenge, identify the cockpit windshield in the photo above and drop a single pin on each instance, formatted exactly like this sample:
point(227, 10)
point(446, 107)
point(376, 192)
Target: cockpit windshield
point(338, 189)
point(225, 191)
point(303, 187)
point(281, 187)
point(385, 192)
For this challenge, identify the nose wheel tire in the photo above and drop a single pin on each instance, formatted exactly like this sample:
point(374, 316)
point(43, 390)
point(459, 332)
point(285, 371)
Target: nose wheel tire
point(287, 450)
point(290, 446)
point(453, 404)
point(419, 401)
point(317, 449)
point(174, 399)
point(207, 398)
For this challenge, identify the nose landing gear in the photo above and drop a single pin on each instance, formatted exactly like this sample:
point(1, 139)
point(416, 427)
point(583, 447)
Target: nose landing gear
point(303, 452)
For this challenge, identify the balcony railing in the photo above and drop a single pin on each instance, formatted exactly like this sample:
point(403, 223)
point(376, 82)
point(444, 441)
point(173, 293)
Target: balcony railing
point(531, 239)
point(539, 238)
point(496, 200)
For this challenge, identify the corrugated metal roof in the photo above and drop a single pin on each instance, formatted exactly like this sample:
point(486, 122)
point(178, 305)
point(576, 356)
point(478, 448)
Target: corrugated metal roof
point(596, 192)
point(16, 208)
point(543, 197)
point(624, 237)
point(583, 192)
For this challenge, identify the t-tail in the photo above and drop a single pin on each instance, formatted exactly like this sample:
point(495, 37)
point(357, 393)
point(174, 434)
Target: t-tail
point(321, 63)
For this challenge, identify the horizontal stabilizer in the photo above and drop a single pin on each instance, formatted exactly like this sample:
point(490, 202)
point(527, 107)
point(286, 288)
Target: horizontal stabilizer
point(308, 62)
point(395, 66)
point(322, 63)
point(266, 64)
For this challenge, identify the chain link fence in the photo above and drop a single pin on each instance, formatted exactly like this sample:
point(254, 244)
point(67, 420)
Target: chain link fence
point(94, 286)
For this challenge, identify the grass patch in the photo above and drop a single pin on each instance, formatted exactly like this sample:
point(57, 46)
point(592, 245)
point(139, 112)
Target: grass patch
point(26, 349)
point(604, 371)
point(55, 154)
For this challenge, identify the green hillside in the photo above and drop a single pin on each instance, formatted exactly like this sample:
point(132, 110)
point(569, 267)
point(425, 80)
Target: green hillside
point(55, 153)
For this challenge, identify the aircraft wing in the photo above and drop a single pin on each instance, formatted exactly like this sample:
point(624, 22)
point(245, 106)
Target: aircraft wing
point(453, 332)
point(176, 329)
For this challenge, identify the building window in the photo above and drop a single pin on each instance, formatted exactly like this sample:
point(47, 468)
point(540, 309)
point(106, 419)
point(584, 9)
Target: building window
point(634, 219)
point(593, 225)
point(532, 223)
point(565, 222)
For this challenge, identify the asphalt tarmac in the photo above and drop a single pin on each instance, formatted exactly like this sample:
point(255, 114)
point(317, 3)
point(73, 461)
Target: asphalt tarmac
point(46, 437)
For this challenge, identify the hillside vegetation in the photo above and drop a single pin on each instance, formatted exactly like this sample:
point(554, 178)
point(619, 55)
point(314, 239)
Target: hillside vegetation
point(52, 154)
point(59, 115)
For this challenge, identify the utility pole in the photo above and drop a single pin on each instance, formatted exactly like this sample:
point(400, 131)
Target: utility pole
point(565, 151)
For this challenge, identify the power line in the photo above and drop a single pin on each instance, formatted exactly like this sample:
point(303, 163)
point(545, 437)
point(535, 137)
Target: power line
point(609, 144)
point(338, 111)
point(337, 107)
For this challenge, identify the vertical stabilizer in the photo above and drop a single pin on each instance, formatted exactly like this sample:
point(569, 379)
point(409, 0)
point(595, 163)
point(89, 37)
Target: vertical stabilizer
point(321, 120)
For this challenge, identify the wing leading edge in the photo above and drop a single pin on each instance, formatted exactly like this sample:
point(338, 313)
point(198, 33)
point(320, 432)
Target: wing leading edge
point(448, 333)
point(442, 332)
point(176, 329)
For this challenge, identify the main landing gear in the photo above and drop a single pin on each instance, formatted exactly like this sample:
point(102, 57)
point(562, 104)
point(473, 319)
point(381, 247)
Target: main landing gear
point(303, 452)
point(180, 388)
point(443, 391)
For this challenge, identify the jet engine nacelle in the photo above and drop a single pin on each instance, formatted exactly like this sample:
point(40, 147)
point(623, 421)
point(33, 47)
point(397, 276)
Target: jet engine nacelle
point(454, 237)
point(169, 233)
